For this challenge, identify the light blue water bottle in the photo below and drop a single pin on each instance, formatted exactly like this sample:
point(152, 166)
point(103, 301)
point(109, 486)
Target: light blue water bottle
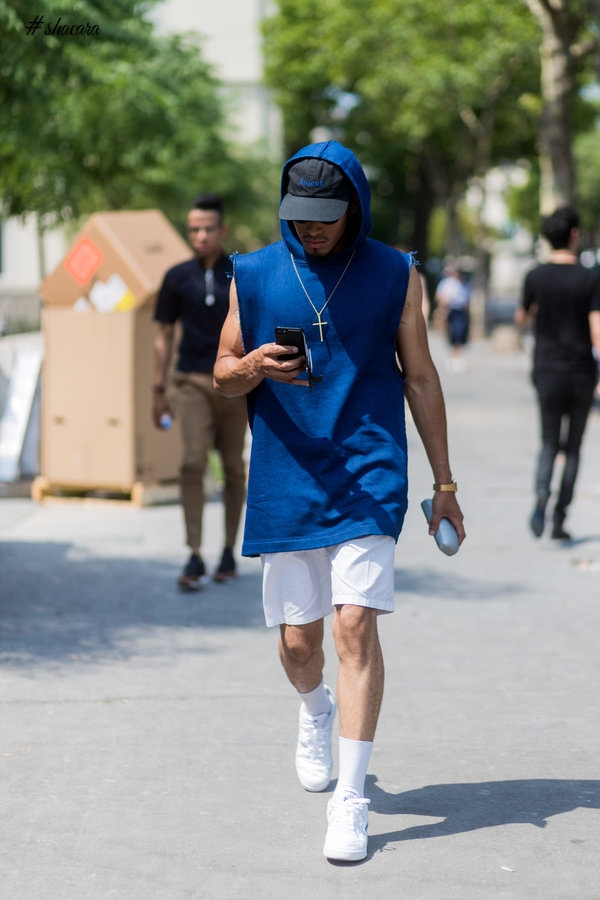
point(445, 537)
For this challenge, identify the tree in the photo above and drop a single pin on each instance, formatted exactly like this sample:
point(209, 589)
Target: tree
point(587, 154)
point(570, 43)
point(39, 73)
point(120, 119)
point(421, 92)
point(431, 106)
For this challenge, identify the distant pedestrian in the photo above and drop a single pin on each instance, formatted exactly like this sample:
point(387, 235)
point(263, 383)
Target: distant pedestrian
point(452, 297)
point(563, 300)
point(195, 294)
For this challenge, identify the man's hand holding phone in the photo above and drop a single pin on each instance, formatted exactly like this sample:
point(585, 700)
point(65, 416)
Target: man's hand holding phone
point(295, 339)
point(292, 338)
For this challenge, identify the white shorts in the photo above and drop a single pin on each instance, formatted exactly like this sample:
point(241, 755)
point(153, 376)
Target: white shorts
point(301, 586)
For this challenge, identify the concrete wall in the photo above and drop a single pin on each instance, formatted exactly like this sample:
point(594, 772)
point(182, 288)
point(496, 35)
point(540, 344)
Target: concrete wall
point(232, 44)
point(24, 260)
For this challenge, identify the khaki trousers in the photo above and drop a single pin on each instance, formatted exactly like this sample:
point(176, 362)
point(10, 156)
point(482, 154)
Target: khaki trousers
point(209, 421)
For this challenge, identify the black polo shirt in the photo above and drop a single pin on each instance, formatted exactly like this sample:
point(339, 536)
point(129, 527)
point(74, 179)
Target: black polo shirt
point(182, 297)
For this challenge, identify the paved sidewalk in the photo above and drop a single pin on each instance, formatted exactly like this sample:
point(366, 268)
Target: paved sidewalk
point(147, 736)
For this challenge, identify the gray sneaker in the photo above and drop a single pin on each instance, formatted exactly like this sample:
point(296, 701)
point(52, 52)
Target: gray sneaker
point(347, 831)
point(314, 761)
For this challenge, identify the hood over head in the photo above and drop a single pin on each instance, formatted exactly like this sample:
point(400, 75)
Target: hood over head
point(317, 184)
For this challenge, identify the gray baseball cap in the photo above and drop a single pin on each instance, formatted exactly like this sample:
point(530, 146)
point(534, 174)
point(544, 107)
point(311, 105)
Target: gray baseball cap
point(317, 191)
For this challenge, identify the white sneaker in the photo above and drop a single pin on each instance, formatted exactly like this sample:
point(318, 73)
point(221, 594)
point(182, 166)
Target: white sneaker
point(347, 832)
point(314, 762)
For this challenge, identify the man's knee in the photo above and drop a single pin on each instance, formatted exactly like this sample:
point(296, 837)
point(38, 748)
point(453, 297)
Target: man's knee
point(234, 472)
point(300, 644)
point(193, 471)
point(355, 631)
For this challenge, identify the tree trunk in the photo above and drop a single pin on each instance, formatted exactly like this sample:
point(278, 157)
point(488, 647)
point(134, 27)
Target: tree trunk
point(422, 205)
point(555, 137)
point(40, 245)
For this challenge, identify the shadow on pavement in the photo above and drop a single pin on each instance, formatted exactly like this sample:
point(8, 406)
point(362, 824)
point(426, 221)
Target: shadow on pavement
point(470, 807)
point(57, 602)
point(451, 585)
point(578, 541)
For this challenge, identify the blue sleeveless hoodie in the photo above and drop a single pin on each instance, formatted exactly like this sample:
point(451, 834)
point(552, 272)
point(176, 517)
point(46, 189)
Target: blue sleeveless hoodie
point(328, 465)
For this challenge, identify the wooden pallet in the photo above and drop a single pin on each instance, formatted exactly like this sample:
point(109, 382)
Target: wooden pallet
point(140, 494)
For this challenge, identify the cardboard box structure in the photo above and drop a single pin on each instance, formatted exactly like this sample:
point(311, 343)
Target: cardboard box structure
point(97, 320)
point(116, 262)
point(97, 431)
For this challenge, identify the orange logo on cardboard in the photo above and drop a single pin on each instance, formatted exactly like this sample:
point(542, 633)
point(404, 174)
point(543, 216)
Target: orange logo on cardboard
point(83, 261)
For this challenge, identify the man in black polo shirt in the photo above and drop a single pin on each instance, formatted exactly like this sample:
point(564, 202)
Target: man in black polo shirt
point(196, 294)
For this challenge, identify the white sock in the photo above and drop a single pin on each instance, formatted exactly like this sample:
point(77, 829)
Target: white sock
point(316, 702)
point(354, 762)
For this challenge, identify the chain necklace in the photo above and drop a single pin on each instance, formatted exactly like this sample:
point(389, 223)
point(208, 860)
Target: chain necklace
point(319, 312)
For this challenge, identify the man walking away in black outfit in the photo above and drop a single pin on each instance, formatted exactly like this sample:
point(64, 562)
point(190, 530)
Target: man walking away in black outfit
point(563, 300)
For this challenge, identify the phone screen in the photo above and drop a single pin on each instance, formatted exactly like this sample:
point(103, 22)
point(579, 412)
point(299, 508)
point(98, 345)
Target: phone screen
point(291, 337)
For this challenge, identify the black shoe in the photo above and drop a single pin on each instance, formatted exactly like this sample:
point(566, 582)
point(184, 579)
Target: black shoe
point(537, 520)
point(226, 570)
point(194, 575)
point(559, 533)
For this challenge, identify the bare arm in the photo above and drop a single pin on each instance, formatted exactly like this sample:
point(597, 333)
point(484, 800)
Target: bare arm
point(526, 311)
point(163, 347)
point(595, 332)
point(236, 373)
point(524, 316)
point(424, 396)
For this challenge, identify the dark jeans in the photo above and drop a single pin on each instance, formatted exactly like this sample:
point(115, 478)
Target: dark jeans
point(458, 327)
point(565, 402)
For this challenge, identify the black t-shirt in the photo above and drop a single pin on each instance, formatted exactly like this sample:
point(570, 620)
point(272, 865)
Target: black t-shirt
point(564, 295)
point(183, 297)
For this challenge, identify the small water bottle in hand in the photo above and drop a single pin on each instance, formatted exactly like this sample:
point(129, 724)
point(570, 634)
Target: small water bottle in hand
point(445, 537)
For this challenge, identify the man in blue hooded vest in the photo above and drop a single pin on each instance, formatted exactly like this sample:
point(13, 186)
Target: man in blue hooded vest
point(327, 490)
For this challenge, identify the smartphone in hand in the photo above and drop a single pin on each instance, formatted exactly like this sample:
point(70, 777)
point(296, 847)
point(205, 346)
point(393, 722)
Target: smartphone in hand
point(295, 337)
point(291, 337)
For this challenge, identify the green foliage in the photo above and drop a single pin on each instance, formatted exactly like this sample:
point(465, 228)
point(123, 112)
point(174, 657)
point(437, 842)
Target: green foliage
point(524, 202)
point(587, 154)
point(119, 120)
point(438, 225)
point(439, 90)
point(434, 100)
point(41, 76)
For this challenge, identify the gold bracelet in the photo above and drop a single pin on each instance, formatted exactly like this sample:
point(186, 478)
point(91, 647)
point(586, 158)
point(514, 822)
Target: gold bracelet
point(453, 487)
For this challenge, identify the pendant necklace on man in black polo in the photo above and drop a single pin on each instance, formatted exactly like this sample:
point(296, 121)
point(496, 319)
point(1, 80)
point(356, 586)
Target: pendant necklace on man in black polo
point(319, 312)
point(209, 287)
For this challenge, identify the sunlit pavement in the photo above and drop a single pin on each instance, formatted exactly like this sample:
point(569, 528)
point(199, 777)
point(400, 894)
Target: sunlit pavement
point(147, 736)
